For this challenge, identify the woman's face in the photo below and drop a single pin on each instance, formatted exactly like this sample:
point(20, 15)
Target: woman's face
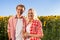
point(30, 14)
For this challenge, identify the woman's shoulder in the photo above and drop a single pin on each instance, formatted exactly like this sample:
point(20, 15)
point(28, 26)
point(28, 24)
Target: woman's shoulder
point(36, 20)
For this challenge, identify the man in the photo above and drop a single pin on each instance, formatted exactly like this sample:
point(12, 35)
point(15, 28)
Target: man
point(16, 24)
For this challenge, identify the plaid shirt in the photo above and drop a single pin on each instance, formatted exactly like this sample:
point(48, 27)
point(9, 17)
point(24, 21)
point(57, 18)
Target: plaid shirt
point(12, 26)
point(36, 28)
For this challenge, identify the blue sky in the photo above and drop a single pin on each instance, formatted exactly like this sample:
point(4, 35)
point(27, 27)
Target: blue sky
point(42, 7)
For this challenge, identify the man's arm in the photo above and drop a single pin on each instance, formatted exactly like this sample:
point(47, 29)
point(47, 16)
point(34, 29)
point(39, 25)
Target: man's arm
point(8, 30)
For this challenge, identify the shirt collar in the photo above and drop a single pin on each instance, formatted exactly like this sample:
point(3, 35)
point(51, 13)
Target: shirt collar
point(17, 17)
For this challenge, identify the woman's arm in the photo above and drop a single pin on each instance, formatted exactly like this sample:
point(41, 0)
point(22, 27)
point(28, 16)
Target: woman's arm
point(34, 35)
point(39, 29)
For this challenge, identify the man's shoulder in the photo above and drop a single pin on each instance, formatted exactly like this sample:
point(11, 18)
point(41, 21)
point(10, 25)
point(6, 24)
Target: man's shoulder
point(12, 17)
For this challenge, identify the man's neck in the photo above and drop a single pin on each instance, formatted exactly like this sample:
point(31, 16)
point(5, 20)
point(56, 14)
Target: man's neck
point(18, 16)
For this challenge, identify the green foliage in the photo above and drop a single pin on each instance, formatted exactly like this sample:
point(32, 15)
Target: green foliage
point(51, 29)
point(3, 28)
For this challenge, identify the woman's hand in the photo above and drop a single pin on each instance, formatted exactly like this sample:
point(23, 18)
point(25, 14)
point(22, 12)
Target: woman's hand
point(26, 34)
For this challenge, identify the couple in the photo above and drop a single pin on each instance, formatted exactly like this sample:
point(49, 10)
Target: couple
point(21, 29)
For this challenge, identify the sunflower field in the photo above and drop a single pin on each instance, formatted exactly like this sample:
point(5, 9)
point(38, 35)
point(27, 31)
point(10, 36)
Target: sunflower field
point(51, 27)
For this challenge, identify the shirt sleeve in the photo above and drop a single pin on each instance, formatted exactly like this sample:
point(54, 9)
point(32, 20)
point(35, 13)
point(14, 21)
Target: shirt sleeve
point(9, 25)
point(39, 28)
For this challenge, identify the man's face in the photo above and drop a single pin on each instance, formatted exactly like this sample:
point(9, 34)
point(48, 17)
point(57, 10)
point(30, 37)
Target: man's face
point(20, 10)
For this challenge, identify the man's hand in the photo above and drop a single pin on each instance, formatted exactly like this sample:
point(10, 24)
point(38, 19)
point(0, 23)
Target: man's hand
point(10, 38)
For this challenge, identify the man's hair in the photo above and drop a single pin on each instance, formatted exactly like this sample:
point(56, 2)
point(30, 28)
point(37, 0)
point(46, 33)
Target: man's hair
point(20, 5)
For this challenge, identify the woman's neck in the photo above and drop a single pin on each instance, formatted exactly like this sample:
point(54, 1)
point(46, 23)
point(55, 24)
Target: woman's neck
point(30, 20)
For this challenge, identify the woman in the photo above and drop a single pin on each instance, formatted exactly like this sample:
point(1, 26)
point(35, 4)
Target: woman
point(34, 27)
